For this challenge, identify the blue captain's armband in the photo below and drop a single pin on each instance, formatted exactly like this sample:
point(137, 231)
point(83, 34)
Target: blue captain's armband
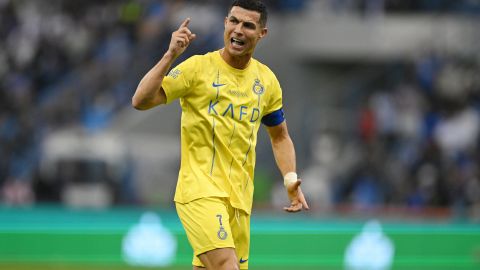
point(274, 118)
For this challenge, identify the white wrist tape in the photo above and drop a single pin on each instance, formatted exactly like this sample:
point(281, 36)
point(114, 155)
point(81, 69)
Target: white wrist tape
point(290, 177)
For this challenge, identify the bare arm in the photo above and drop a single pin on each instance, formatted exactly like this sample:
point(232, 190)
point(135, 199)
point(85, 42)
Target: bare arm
point(284, 153)
point(149, 92)
point(283, 149)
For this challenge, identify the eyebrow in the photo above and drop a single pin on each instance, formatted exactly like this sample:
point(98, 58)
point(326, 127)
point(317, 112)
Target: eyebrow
point(246, 23)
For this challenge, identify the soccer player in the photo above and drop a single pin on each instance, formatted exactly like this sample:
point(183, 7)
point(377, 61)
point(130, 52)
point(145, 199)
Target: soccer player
point(225, 95)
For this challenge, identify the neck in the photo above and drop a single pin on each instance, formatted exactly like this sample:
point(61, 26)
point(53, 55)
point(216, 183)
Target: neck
point(238, 62)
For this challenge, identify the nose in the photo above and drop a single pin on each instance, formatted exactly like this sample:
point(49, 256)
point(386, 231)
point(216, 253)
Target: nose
point(238, 29)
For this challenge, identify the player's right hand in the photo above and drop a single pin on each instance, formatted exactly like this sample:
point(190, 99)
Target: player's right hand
point(181, 39)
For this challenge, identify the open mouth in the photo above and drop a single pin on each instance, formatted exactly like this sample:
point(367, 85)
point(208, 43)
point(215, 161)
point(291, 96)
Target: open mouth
point(237, 42)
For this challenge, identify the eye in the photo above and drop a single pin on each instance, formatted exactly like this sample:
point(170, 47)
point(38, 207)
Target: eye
point(249, 25)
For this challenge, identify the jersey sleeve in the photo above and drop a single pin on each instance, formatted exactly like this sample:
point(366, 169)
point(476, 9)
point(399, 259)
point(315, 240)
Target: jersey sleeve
point(274, 114)
point(178, 81)
point(275, 97)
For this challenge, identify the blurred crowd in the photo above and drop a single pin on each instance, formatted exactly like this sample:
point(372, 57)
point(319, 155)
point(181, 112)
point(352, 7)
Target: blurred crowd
point(72, 64)
point(75, 64)
point(378, 7)
point(415, 146)
point(419, 129)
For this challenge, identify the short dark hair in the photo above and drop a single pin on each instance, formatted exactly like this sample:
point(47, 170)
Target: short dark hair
point(254, 5)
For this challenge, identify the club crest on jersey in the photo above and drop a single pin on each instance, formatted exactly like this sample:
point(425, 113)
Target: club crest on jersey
point(258, 87)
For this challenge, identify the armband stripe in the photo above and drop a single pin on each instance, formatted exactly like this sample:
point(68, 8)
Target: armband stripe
point(274, 118)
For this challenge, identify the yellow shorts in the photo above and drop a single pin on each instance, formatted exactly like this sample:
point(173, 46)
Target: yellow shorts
point(212, 223)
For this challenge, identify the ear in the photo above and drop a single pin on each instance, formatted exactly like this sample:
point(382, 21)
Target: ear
point(263, 32)
point(225, 22)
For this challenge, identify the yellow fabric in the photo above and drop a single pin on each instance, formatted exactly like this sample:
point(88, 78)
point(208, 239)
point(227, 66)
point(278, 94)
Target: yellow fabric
point(212, 223)
point(222, 108)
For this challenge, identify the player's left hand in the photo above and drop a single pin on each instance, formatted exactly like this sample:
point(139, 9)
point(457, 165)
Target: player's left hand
point(297, 199)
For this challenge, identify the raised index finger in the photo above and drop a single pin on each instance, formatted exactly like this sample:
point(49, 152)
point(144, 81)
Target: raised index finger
point(185, 23)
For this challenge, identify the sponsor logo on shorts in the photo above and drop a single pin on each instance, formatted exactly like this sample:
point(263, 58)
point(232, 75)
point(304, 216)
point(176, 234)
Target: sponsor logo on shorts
point(243, 261)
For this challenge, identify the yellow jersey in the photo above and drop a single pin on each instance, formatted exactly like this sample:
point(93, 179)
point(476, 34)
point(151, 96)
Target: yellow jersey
point(222, 108)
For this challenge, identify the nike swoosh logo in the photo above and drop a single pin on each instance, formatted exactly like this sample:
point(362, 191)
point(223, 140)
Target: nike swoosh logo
point(243, 261)
point(217, 85)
